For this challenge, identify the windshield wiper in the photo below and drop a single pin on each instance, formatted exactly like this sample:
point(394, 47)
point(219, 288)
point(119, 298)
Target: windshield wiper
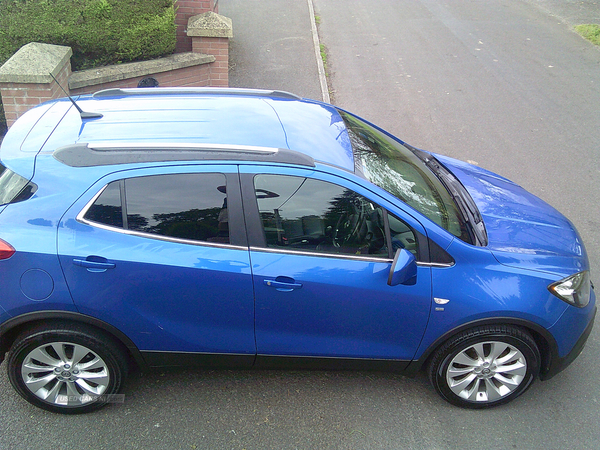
point(462, 198)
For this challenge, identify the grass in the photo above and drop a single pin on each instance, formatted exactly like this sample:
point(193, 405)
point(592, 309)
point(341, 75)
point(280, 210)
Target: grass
point(589, 31)
point(323, 50)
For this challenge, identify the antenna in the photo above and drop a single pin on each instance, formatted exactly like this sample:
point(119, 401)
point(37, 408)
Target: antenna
point(82, 113)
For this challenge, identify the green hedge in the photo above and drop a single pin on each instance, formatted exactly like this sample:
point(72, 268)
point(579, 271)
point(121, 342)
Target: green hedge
point(100, 32)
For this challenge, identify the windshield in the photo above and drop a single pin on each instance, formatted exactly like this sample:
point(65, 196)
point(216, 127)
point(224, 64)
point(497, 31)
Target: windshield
point(390, 165)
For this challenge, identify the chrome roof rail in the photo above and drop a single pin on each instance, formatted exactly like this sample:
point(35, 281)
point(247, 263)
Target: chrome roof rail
point(122, 92)
point(109, 153)
point(175, 146)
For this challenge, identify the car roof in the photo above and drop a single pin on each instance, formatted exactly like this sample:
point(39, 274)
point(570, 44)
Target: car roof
point(184, 118)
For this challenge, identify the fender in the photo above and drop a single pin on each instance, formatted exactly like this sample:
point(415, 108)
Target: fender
point(543, 338)
point(13, 324)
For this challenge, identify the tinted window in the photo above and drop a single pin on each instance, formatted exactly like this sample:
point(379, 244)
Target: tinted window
point(402, 236)
point(187, 206)
point(311, 215)
point(184, 206)
point(107, 207)
point(13, 187)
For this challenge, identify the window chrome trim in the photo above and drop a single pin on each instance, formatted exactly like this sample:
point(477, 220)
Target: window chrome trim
point(438, 265)
point(89, 204)
point(161, 237)
point(323, 255)
point(81, 219)
point(341, 255)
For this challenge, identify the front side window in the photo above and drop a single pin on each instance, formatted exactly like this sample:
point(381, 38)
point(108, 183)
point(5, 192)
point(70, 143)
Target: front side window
point(311, 215)
point(183, 206)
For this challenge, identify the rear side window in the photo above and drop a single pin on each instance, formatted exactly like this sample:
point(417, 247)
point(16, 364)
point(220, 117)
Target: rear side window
point(13, 187)
point(107, 207)
point(181, 206)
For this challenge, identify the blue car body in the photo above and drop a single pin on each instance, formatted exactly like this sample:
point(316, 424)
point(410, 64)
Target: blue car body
point(179, 303)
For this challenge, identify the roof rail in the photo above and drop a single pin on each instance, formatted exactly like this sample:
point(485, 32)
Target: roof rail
point(119, 92)
point(109, 153)
point(107, 146)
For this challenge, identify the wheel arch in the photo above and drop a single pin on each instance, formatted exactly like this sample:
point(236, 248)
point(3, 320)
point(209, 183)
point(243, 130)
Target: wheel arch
point(10, 329)
point(544, 340)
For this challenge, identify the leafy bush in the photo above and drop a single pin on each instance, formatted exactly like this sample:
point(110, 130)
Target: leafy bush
point(100, 32)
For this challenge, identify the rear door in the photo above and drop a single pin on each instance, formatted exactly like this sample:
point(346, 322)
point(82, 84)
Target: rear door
point(162, 255)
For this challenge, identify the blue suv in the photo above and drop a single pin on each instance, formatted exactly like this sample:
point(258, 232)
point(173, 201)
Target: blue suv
point(153, 228)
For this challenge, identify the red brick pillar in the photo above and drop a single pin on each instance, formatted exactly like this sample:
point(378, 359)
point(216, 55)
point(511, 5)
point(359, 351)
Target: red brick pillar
point(25, 79)
point(185, 9)
point(210, 33)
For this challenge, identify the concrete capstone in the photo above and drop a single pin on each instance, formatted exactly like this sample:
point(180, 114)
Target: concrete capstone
point(118, 72)
point(34, 63)
point(210, 24)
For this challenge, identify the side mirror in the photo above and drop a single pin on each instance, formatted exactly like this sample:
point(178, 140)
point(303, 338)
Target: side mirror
point(404, 269)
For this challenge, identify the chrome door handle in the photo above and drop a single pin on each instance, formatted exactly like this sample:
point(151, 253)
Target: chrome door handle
point(283, 286)
point(94, 266)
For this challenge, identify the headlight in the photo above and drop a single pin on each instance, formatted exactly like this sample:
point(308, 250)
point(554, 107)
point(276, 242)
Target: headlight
point(574, 289)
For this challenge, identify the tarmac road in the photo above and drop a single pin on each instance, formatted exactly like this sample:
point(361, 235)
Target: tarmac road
point(510, 86)
point(506, 84)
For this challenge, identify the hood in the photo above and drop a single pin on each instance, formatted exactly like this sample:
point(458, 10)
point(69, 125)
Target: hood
point(523, 230)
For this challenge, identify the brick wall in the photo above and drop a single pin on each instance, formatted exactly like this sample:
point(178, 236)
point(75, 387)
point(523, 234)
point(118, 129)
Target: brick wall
point(219, 48)
point(185, 10)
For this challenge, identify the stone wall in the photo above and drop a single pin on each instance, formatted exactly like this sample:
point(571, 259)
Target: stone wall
point(26, 78)
point(181, 69)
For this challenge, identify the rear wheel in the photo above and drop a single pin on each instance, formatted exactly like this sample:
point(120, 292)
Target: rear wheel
point(66, 369)
point(486, 366)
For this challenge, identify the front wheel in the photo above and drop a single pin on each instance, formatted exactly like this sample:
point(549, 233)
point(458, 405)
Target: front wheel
point(66, 369)
point(486, 366)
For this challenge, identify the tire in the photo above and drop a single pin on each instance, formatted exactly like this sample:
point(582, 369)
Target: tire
point(68, 369)
point(484, 367)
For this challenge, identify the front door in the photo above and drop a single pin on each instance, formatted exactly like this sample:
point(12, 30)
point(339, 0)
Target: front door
point(320, 274)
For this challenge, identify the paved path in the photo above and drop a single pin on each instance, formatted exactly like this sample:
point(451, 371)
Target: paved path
point(272, 47)
point(572, 12)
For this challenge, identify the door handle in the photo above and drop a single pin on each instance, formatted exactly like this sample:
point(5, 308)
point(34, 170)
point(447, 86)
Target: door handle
point(94, 266)
point(283, 286)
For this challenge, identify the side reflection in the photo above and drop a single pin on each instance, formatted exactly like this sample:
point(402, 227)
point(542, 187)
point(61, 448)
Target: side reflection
point(312, 215)
point(184, 206)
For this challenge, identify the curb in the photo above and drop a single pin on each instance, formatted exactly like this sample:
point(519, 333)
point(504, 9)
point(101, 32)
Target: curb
point(317, 46)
